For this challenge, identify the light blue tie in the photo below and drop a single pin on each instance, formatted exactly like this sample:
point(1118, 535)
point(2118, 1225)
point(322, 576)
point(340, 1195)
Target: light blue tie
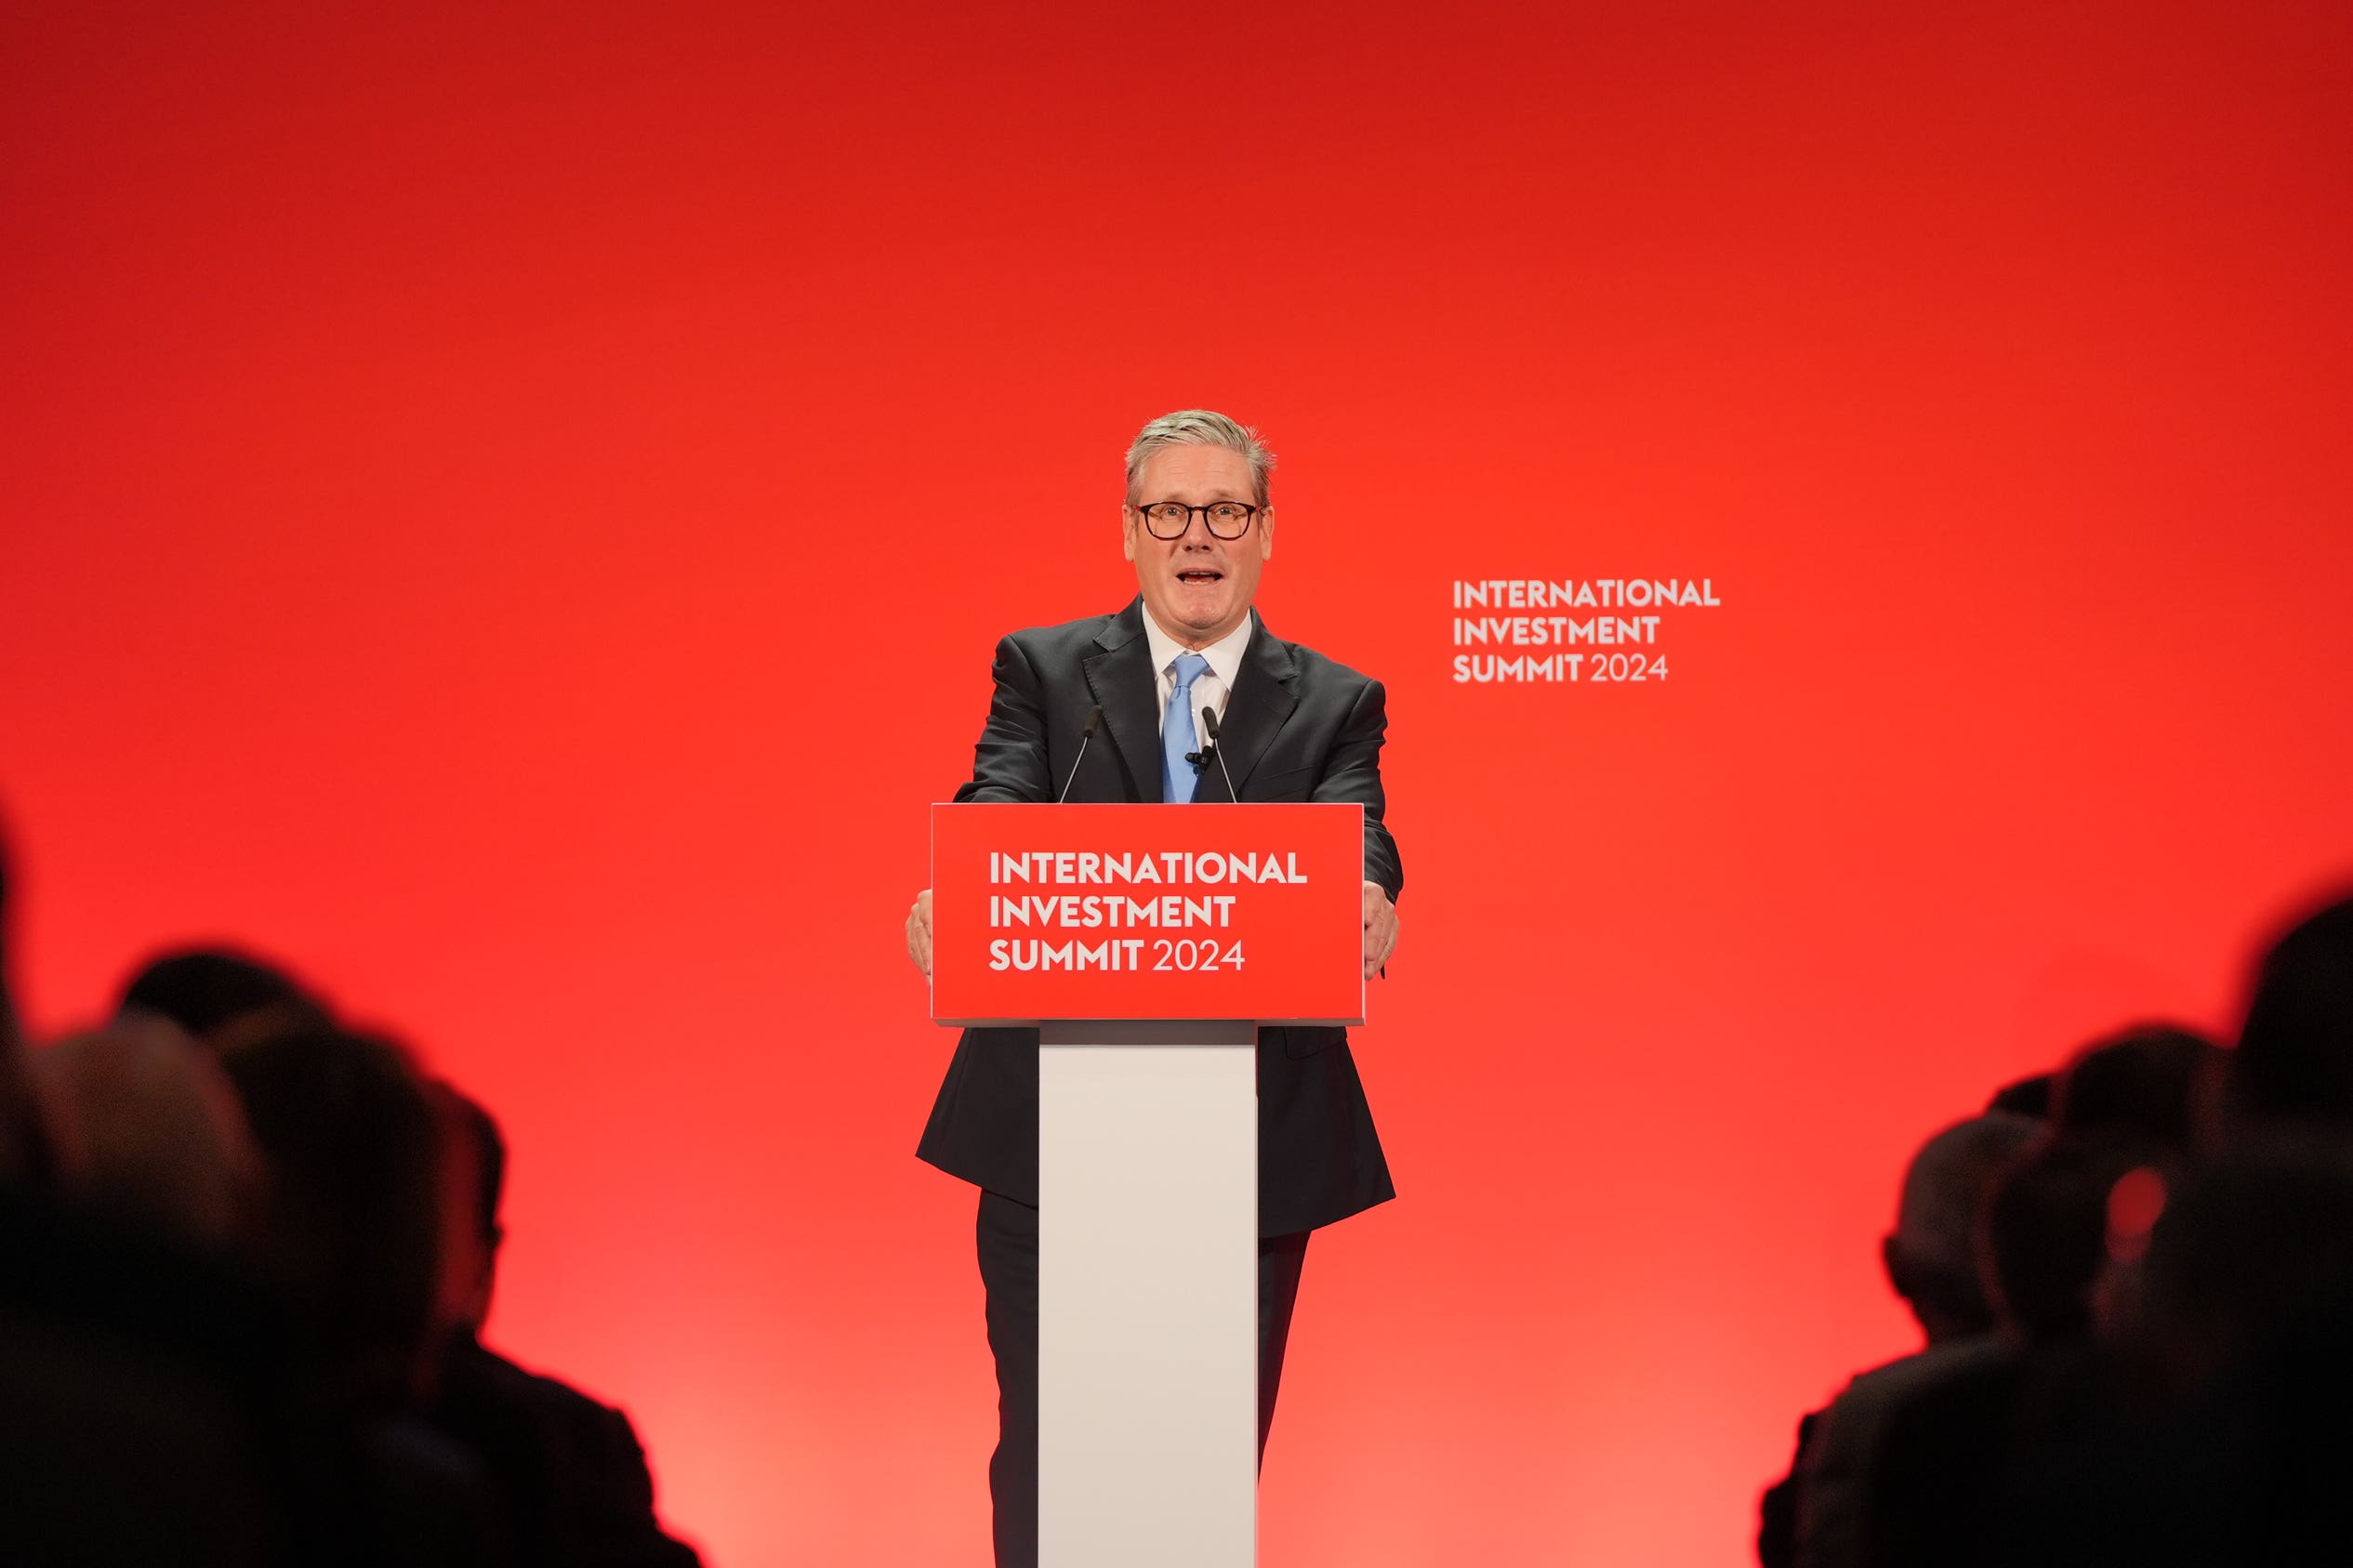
point(1177, 735)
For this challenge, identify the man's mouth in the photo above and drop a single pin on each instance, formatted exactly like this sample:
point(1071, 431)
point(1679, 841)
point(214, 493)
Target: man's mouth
point(1201, 577)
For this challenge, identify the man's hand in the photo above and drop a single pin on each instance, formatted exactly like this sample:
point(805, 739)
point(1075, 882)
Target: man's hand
point(918, 932)
point(1381, 927)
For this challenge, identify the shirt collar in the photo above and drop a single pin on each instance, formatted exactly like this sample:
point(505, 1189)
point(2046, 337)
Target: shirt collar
point(1224, 655)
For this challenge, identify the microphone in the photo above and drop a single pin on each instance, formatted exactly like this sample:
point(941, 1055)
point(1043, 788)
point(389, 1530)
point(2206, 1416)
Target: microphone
point(1086, 733)
point(1208, 723)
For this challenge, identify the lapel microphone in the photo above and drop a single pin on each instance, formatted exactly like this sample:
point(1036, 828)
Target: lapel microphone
point(1200, 758)
point(1086, 733)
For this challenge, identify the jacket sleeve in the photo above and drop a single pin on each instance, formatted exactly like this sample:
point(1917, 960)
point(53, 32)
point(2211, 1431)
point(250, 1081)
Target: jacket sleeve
point(1351, 772)
point(1010, 761)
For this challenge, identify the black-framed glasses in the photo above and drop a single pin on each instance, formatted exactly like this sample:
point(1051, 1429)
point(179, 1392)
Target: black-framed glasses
point(1171, 520)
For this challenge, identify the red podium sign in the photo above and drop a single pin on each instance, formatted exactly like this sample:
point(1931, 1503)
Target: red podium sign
point(1248, 912)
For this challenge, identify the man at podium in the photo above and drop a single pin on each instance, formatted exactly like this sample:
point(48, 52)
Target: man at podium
point(1293, 726)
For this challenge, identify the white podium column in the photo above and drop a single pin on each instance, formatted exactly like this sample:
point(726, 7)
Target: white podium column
point(1147, 1294)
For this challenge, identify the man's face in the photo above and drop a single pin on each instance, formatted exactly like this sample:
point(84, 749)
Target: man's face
point(1199, 587)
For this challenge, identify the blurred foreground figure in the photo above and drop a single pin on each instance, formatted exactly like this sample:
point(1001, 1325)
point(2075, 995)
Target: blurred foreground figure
point(2225, 1439)
point(2230, 1440)
point(23, 1144)
point(242, 1266)
point(2007, 1250)
point(2294, 1061)
point(146, 1132)
point(2139, 1091)
point(140, 1361)
point(352, 1234)
point(214, 991)
point(136, 1369)
point(1816, 1515)
point(350, 1240)
point(1953, 1460)
point(569, 1473)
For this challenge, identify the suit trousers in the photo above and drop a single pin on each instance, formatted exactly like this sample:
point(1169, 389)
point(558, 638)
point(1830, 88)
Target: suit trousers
point(1007, 1235)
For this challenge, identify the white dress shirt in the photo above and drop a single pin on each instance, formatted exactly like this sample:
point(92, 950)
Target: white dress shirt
point(1212, 686)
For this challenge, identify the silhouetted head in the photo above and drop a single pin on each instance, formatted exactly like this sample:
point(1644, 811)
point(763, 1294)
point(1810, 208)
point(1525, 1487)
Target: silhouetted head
point(1931, 1258)
point(352, 1226)
point(2044, 1237)
point(473, 1180)
point(2295, 1061)
point(146, 1129)
point(2253, 1259)
point(2138, 1086)
point(2027, 1097)
point(204, 989)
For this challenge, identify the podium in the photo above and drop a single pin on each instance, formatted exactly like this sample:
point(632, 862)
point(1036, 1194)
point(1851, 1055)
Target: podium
point(1147, 944)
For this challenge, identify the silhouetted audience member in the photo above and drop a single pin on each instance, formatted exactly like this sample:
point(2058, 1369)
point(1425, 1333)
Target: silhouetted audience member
point(138, 1367)
point(2027, 1097)
point(147, 1131)
point(2295, 1061)
point(1815, 1514)
point(2237, 1344)
point(1931, 1256)
point(351, 1236)
point(139, 1398)
point(1948, 1455)
point(1912, 1463)
point(2249, 1292)
point(351, 1229)
point(2228, 1442)
point(2046, 1236)
point(210, 991)
point(2139, 1087)
point(2252, 1256)
point(2223, 1437)
point(568, 1470)
point(243, 1270)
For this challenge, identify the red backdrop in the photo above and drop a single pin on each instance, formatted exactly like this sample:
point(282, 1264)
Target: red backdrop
point(511, 513)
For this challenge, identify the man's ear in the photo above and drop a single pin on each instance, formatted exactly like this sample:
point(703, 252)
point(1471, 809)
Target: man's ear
point(1127, 533)
point(1266, 535)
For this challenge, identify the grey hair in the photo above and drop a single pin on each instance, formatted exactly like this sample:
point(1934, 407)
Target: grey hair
point(1200, 427)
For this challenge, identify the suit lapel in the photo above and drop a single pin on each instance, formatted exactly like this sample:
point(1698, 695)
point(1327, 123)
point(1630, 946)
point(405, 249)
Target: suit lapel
point(1122, 679)
point(1256, 711)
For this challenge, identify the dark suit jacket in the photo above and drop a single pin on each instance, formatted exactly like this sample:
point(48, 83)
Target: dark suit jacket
point(1297, 727)
point(570, 1476)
